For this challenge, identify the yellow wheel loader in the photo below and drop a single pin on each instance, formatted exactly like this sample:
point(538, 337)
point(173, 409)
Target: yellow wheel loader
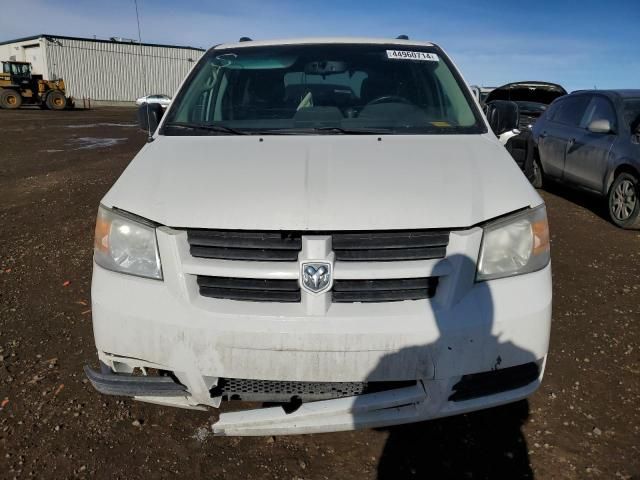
point(18, 86)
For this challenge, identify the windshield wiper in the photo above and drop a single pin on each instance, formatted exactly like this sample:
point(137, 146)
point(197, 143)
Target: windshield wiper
point(324, 130)
point(353, 131)
point(206, 128)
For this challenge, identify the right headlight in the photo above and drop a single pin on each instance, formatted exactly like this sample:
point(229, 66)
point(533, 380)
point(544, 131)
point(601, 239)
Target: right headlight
point(126, 244)
point(514, 245)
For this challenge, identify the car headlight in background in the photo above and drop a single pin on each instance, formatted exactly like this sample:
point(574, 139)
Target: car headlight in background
point(126, 244)
point(514, 245)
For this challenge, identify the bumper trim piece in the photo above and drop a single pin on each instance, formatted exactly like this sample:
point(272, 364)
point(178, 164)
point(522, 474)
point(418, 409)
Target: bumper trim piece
point(482, 384)
point(366, 411)
point(110, 383)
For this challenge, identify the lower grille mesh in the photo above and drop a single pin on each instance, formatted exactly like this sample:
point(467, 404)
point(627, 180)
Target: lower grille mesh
point(285, 391)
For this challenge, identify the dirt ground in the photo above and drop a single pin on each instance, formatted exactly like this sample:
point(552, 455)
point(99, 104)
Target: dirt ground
point(584, 422)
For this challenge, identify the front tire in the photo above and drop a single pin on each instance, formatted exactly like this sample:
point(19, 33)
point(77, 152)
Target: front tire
point(624, 201)
point(56, 100)
point(10, 99)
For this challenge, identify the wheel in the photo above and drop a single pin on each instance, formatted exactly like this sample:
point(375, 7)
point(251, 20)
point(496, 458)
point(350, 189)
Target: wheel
point(624, 201)
point(538, 179)
point(56, 100)
point(10, 99)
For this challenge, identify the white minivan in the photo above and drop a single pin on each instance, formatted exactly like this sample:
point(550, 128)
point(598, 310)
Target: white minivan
point(330, 227)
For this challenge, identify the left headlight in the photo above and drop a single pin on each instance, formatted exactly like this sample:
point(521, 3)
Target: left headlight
point(514, 245)
point(126, 244)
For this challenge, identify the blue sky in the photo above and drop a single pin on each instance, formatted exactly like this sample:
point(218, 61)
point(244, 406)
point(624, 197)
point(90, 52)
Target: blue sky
point(579, 44)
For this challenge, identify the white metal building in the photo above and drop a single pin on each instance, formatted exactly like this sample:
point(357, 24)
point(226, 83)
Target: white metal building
point(104, 70)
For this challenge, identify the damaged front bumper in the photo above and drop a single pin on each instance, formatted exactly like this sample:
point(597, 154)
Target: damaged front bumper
point(366, 411)
point(423, 400)
point(200, 343)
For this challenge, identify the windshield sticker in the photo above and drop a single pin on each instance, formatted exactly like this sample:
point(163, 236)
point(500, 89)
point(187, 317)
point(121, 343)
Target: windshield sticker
point(408, 55)
point(441, 124)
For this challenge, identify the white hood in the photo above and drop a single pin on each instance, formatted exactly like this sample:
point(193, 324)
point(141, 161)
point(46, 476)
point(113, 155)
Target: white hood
point(324, 182)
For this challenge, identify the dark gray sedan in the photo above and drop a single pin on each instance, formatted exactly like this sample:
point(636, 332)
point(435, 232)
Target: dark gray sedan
point(591, 140)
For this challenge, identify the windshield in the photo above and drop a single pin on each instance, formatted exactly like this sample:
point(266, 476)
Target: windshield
point(323, 89)
point(17, 69)
point(525, 92)
point(531, 107)
point(632, 113)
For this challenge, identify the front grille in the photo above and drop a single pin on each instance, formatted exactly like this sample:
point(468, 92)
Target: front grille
point(245, 245)
point(371, 246)
point(391, 290)
point(344, 291)
point(375, 246)
point(390, 246)
point(285, 391)
point(249, 289)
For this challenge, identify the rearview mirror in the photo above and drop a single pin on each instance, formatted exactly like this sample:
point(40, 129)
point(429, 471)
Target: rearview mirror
point(600, 126)
point(325, 67)
point(149, 116)
point(502, 115)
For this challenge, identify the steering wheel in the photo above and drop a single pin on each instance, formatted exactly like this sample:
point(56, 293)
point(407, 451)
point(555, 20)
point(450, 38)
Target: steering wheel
point(389, 99)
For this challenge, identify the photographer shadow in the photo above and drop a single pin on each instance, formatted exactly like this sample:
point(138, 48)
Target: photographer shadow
point(485, 444)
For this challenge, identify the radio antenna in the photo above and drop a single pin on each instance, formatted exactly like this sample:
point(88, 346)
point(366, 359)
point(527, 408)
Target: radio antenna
point(144, 73)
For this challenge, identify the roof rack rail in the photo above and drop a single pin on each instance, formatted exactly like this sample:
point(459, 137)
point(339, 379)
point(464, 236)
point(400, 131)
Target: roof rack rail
point(402, 37)
point(245, 39)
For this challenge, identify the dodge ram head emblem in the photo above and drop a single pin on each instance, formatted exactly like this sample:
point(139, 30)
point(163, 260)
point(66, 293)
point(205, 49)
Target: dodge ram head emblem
point(316, 277)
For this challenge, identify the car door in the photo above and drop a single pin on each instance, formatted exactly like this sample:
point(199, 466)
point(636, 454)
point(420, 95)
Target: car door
point(588, 152)
point(556, 131)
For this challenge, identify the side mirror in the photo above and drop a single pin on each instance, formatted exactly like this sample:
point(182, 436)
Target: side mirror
point(503, 116)
point(600, 126)
point(149, 116)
